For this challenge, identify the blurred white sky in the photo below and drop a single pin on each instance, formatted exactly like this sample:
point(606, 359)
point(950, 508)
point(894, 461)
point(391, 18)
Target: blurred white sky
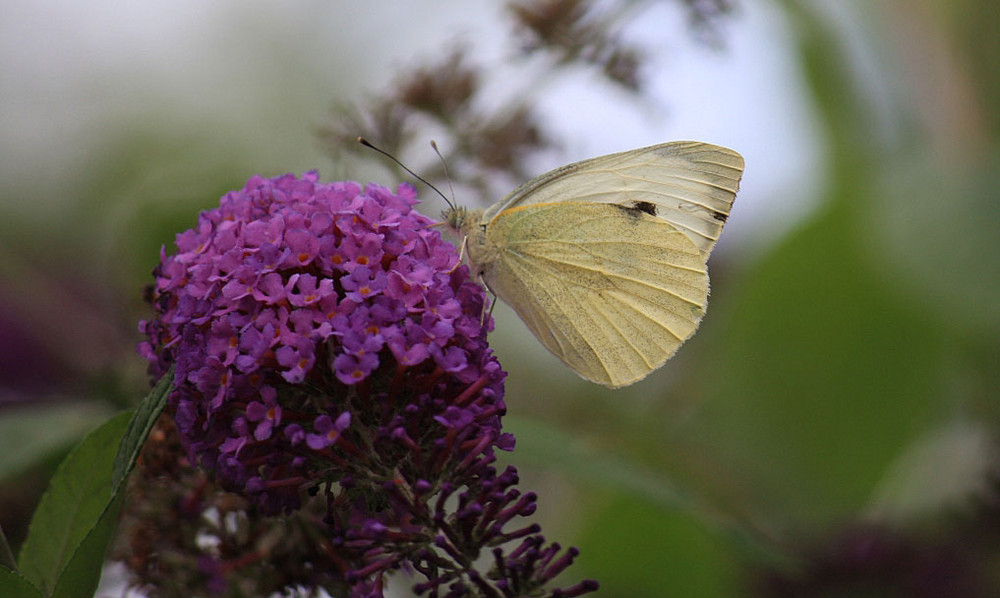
point(70, 72)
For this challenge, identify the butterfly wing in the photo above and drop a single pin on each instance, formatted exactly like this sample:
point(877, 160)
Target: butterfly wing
point(689, 184)
point(612, 291)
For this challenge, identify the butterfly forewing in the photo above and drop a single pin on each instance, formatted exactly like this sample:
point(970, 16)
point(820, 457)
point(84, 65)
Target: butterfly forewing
point(612, 291)
point(689, 184)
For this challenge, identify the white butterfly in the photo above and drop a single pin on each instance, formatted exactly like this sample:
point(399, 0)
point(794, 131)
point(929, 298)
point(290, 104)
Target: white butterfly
point(606, 259)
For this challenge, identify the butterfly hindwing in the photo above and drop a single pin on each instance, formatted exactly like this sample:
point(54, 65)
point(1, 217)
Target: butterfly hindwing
point(613, 291)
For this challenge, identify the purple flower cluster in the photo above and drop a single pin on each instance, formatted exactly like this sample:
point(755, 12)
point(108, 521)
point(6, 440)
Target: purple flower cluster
point(281, 304)
point(326, 342)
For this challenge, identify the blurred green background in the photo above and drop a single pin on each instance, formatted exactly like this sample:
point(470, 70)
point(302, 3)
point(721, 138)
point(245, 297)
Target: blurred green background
point(847, 375)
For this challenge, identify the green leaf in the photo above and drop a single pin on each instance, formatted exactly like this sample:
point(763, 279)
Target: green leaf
point(83, 571)
point(14, 585)
point(75, 501)
point(71, 529)
point(31, 434)
point(138, 429)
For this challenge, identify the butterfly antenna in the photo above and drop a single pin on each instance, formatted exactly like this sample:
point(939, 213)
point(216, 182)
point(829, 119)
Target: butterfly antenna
point(444, 165)
point(368, 144)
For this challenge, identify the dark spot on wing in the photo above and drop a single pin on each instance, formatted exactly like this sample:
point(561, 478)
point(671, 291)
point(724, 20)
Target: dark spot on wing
point(632, 212)
point(720, 216)
point(645, 206)
point(636, 209)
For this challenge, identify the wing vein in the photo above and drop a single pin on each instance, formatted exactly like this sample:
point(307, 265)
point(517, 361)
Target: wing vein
point(607, 275)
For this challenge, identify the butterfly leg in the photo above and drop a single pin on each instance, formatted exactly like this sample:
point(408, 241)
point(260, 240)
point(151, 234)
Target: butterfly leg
point(461, 254)
point(486, 315)
point(493, 303)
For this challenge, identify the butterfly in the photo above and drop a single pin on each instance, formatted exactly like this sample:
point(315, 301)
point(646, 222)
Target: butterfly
point(605, 260)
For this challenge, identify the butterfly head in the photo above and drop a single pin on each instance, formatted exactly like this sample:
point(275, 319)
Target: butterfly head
point(456, 217)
